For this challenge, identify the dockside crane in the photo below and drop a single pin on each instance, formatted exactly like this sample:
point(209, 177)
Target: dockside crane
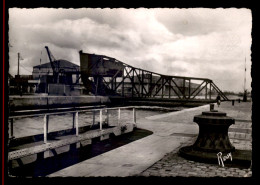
point(54, 66)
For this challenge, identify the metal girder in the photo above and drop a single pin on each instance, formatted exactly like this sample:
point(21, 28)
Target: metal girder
point(141, 87)
point(106, 83)
point(112, 80)
point(132, 80)
point(123, 78)
point(178, 87)
point(175, 91)
point(137, 80)
point(200, 90)
point(197, 88)
point(151, 90)
point(162, 85)
point(219, 91)
point(140, 81)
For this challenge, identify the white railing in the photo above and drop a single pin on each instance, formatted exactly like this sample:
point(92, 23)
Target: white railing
point(75, 122)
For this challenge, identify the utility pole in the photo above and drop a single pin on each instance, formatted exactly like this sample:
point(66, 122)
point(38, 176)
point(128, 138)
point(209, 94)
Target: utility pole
point(245, 76)
point(245, 93)
point(19, 58)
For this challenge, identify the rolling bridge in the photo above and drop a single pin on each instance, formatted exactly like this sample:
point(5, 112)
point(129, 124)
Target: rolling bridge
point(103, 75)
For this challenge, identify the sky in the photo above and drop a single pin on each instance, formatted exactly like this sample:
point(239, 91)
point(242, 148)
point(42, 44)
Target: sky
point(195, 42)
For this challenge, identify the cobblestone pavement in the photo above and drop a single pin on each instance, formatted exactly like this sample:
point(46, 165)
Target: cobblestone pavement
point(173, 165)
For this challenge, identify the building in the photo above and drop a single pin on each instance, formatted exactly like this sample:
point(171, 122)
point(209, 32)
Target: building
point(68, 81)
point(21, 84)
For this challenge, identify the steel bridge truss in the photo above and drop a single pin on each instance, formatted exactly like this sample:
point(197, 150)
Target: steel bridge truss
point(136, 82)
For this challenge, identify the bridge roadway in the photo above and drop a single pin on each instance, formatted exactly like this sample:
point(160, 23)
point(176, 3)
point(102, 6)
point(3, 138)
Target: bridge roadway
point(170, 131)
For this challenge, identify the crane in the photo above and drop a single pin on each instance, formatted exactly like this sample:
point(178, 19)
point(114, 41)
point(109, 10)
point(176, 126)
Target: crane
point(54, 66)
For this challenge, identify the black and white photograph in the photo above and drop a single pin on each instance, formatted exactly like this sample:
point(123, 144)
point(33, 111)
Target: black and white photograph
point(129, 92)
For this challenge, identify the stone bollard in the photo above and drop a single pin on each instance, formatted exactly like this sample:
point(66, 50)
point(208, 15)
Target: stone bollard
point(244, 97)
point(211, 106)
point(213, 140)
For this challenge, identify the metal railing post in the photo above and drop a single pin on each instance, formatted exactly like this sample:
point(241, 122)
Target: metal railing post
point(100, 119)
point(119, 116)
point(77, 122)
point(45, 127)
point(134, 116)
point(73, 121)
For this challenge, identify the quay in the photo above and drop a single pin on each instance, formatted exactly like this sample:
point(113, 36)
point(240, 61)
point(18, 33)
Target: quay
point(37, 102)
point(157, 154)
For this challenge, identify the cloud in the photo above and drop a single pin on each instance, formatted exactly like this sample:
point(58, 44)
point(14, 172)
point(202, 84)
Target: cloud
point(207, 43)
point(200, 21)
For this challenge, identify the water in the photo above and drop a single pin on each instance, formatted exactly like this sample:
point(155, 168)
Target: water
point(29, 126)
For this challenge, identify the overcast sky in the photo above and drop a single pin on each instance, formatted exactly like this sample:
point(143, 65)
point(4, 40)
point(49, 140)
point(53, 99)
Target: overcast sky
point(206, 43)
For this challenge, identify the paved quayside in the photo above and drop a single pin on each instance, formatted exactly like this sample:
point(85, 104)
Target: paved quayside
point(154, 154)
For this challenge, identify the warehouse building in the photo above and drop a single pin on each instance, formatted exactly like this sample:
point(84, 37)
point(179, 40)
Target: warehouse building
point(68, 82)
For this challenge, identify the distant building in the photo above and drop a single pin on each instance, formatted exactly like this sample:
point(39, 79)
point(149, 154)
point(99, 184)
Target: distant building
point(68, 78)
point(21, 84)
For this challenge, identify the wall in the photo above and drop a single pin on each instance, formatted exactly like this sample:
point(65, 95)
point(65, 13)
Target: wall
point(36, 102)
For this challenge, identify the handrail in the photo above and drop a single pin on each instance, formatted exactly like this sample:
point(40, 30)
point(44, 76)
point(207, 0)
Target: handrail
point(75, 114)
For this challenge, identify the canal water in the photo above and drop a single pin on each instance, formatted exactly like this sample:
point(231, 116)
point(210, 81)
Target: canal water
point(28, 126)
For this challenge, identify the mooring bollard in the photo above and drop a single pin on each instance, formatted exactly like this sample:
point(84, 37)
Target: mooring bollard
point(212, 138)
point(213, 144)
point(211, 106)
point(233, 102)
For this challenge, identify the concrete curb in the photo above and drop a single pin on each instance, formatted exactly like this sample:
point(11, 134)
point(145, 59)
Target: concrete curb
point(155, 117)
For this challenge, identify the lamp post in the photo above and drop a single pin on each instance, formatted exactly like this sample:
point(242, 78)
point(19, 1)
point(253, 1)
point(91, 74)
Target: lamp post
point(245, 91)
